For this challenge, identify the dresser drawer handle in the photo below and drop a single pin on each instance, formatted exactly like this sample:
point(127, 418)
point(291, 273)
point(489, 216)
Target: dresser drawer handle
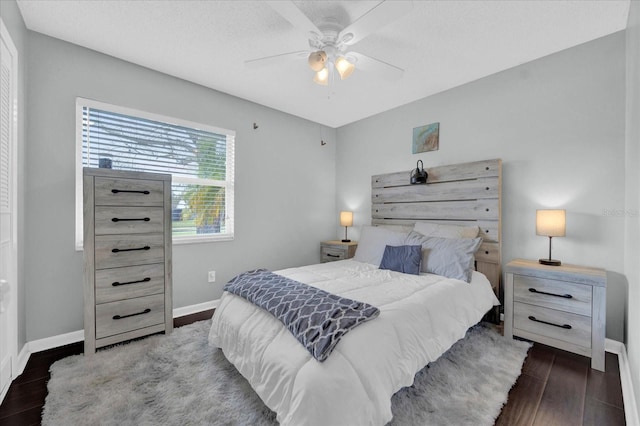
point(118, 219)
point(333, 255)
point(566, 296)
point(565, 326)
point(117, 317)
point(116, 191)
point(145, 280)
point(117, 250)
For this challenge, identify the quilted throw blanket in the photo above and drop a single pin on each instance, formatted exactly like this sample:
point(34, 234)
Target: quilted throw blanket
point(318, 319)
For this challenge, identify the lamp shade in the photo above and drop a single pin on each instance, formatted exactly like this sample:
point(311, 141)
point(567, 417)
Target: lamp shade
point(346, 218)
point(322, 77)
point(317, 60)
point(344, 67)
point(550, 223)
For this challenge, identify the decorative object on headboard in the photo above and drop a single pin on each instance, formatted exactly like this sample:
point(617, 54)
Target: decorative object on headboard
point(550, 223)
point(458, 194)
point(418, 175)
point(426, 138)
point(346, 220)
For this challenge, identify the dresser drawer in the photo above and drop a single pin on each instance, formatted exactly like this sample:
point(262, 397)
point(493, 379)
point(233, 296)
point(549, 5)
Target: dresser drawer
point(330, 253)
point(560, 295)
point(129, 282)
point(579, 333)
point(128, 220)
point(112, 251)
point(128, 192)
point(127, 315)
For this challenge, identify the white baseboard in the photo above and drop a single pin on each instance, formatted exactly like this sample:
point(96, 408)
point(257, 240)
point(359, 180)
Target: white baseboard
point(78, 336)
point(612, 346)
point(192, 309)
point(21, 362)
point(628, 395)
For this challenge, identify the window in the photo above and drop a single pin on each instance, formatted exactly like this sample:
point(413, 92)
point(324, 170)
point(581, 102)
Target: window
point(200, 159)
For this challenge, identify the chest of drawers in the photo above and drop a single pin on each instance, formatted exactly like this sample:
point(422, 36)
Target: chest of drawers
point(561, 306)
point(127, 254)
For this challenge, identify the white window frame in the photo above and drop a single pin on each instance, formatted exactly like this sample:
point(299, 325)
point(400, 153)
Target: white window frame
point(229, 184)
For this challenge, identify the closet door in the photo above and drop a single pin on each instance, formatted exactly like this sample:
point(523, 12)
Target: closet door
point(8, 228)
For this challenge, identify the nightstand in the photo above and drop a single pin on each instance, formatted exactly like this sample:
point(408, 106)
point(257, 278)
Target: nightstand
point(560, 306)
point(337, 250)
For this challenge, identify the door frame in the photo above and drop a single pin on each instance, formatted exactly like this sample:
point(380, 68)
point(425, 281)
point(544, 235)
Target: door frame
point(12, 308)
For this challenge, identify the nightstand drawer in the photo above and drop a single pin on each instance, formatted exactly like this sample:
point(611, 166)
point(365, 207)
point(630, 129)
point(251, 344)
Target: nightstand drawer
point(129, 220)
point(329, 253)
point(539, 320)
point(337, 250)
point(560, 295)
point(127, 315)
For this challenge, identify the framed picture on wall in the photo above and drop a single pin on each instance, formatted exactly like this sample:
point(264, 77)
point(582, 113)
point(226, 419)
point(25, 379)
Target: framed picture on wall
point(426, 138)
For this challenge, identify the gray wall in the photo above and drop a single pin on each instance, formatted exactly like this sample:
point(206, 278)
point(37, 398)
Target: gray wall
point(15, 25)
point(285, 180)
point(632, 231)
point(558, 125)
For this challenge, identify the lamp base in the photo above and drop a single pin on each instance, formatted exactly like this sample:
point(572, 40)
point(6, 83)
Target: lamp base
point(346, 241)
point(551, 262)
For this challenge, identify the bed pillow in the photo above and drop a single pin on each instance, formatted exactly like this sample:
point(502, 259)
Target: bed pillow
point(449, 257)
point(446, 231)
point(373, 241)
point(405, 259)
point(397, 228)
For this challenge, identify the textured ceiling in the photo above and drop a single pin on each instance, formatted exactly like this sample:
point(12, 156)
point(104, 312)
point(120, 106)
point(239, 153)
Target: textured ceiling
point(440, 44)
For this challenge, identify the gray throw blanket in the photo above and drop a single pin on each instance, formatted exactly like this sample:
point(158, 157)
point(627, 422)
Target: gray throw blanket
point(316, 318)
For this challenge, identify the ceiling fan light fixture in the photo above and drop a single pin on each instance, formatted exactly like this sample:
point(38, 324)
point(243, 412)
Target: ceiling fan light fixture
point(344, 67)
point(317, 60)
point(322, 77)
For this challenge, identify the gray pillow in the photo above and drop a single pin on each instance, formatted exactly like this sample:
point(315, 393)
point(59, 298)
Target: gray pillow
point(449, 257)
point(405, 259)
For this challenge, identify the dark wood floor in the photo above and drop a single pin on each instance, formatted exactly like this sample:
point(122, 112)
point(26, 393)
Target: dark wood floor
point(556, 388)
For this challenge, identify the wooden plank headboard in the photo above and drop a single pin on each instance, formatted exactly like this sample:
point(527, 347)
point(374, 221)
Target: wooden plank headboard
point(458, 194)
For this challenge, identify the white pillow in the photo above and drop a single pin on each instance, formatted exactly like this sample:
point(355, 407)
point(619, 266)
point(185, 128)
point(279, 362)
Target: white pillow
point(449, 257)
point(397, 228)
point(446, 231)
point(372, 242)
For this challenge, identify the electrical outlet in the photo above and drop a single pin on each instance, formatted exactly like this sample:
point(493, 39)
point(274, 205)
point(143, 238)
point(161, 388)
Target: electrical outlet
point(212, 276)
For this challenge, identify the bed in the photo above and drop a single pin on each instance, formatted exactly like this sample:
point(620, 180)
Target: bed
point(421, 315)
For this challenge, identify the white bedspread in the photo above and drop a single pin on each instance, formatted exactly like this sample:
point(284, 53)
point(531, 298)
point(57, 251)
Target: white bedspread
point(420, 318)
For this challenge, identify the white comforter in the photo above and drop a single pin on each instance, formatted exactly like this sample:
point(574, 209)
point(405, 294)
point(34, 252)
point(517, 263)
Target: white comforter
point(420, 318)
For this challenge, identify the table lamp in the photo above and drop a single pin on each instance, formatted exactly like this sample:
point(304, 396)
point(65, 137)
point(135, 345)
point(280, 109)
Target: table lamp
point(346, 219)
point(550, 223)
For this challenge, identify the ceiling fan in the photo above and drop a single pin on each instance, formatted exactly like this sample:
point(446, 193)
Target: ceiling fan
point(330, 44)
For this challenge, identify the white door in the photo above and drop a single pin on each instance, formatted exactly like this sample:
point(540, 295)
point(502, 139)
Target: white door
point(8, 242)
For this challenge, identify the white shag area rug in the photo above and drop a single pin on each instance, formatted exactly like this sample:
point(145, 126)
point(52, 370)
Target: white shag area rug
point(179, 380)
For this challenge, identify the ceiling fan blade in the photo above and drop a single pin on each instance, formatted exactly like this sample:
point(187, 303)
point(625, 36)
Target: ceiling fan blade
point(384, 13)
point(275, 59)
point(369, 64)
point(289, 11)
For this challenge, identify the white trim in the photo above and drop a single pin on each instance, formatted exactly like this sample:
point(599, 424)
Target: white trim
point(78, 336)
point(192, 309)
point(12, 272)
point(229, 184)
point(55, 341)
point(23, 358)
point(628, 395)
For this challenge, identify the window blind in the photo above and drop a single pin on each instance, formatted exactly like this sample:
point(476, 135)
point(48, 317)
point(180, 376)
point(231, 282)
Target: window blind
point(200, 160)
